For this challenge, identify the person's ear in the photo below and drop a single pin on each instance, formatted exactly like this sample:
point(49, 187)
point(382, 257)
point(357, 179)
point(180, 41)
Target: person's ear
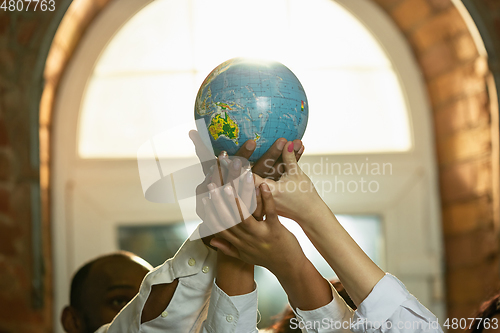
point(71, 320)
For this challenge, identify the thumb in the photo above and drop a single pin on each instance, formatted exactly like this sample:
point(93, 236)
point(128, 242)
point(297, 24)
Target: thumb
point(288, 155)
point(227, 248)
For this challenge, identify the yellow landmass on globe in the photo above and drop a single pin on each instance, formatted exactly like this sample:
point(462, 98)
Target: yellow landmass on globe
point(222, 125)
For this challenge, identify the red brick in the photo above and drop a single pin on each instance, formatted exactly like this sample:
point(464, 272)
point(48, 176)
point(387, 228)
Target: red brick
point(5, 166)
point(4, 201)
point(464, 286)
point(470, 248)
point(463, 217)
point(465, 181)
point(8, 237)
point(409, 13)
point(450, 118)
point(25, 29)
point(4, 23)
point(465, 48)
point(439, 28)
point(438, 59)
point(464, 145)
point(4, 140)
point(478, 110)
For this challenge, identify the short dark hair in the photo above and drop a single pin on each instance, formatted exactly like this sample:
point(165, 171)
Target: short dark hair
point(79, 278)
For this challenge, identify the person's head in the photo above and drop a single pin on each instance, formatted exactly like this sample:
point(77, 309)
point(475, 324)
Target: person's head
point(100, 289)
point(283, 324)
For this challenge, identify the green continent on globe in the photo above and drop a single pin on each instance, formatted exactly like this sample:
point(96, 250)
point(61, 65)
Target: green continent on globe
point(222, 125)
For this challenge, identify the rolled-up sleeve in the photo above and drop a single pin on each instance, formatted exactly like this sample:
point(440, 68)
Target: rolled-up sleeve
point(231, 314)
point(333, 317)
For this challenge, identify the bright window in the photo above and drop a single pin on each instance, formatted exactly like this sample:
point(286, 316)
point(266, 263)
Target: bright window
point(149, 73)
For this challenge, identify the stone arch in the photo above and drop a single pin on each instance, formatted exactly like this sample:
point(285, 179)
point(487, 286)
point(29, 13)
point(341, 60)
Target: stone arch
point(465, 112)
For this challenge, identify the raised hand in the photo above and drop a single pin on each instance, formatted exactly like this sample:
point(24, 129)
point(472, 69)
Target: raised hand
point(294, 193)
point(269, 244)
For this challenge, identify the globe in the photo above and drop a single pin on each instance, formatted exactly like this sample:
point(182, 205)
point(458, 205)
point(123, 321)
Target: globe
point(244, 99)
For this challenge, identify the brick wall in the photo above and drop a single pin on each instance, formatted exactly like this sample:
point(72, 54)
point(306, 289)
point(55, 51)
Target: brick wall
point(464, 124)
point(465, 132)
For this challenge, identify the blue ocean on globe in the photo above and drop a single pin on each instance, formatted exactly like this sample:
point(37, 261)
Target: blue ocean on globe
point(244, 99)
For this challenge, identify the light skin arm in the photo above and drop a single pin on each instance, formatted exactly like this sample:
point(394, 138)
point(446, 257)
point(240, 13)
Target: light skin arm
point(357, 272)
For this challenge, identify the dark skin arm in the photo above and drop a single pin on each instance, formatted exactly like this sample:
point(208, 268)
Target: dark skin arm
point(268, 166)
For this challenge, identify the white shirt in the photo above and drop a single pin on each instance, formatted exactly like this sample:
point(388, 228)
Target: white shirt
point(388, 308)
point(194, 265)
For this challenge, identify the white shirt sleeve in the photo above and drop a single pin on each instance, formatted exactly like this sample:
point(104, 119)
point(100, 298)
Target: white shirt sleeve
point(333, 317)
point(193, 265)
point(231, 314)
point(389, 308)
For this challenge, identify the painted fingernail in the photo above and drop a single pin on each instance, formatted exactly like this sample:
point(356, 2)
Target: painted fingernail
point(301, 150)
point(290, 147)
point(264, 186)
point(250, 145)
point(237, 164)
point(281, 144)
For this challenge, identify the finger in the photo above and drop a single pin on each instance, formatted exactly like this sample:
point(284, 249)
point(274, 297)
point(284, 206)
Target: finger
point(264, 165)
point(259, 208)
point(298, 155)
point(269, 206)
point(297, 144)
point(224, 214)
point(226, 247)
point(204, 154)
point(234, 171)
point(247, 190)
point(210, 220)
point(239, 210)
point(247, 149)
point(289, 159)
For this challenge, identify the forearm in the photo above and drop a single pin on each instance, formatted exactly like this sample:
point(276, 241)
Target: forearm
point(357, 272)
point(234, 276)
point(304, 285)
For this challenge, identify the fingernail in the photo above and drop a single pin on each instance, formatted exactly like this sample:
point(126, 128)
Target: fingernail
point(281, 144)
point(223, 153)
point(296, 146)
point(257, 191)
point(211, 186)
point(204, 200)
point(228, 190)
point(236, 164)
point(290, 147)
point(264, 186)
point(249, 177)
point(301, 150)
point(250, 145)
